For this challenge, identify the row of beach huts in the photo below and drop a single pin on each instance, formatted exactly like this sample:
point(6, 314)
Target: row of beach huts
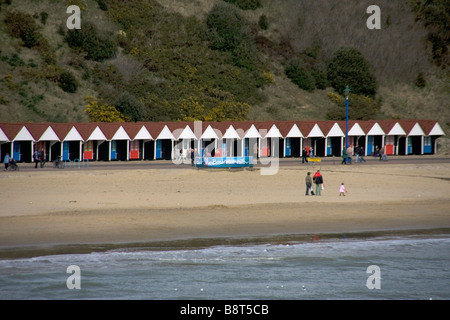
point(175, 140)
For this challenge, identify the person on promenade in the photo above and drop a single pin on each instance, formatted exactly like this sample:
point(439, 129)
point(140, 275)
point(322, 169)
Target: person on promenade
point(349, 152)
point(318, 180)
point(342, 190)
point(6, 161)
point(357, 154)
point(361, 154)
point(192, 157)
point(36, 158)
point(304, 156)
point(344, 156)
point(42, 158)
point(308, 182)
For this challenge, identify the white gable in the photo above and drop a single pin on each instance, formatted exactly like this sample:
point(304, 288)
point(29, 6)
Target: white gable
point(73, 135)
point(273, 133)
point(186, 133)
point(336, 131)
point(231, 133)
point(209, 134)
point(397, 130)
point(23, 135)
point(356, 130)
point(121, 134)
point(376, 130)
point(294, 132)
point(437, 130)
point(416, 131)
point(143, 134)
point(3, 136)
point(316, 132)
point(49, 135)
point(97, 134)
point(165, 134)
point(252, 132)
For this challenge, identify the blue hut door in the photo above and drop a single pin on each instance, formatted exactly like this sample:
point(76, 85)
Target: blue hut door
point(409, 151)
point(16, 151)
point(113, 150)
point(370, 145)
point(66, 150)
point(158, 149)
point(246, 142)
point(427, 145)
point(288, 147)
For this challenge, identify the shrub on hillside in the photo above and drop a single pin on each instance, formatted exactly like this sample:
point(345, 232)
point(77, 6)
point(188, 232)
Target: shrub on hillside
point(349, 67)
point(230, 32)
point(98, 46)
point(299, 74)
point(128, 105)
point(67, 82)
point(22, 25)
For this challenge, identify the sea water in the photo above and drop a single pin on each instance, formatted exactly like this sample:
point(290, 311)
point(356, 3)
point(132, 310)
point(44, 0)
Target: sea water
point(411, 267)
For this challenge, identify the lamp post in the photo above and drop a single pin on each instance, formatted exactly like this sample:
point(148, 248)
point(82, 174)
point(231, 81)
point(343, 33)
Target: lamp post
point(346, 91)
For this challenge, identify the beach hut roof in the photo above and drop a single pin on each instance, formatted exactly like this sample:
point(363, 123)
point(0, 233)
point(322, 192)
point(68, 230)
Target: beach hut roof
point(335, 131)
point(97, 134)
point(294, 132)
point(431, 128)
point(49, 135)
point(165, 134)
point(210, 133)
point(273, 132)
point(416, 130)
point(315, 132)
point(356, 130)
point(3, 136)
point(184, 133)
point(375, 129)
point(231, 133)
point(121, 134)
point(396, 130)
point(252, 132)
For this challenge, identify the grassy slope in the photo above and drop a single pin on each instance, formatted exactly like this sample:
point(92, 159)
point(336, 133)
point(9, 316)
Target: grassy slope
point(398, 52)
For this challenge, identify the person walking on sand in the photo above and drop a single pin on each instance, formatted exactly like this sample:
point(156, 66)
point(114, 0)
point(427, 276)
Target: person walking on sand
point(342, 190)
point(318, 180)
point(308, 182)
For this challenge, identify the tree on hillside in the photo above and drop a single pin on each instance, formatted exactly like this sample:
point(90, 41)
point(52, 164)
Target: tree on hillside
point(349, 67)
point(230, 32)
point(360, 107)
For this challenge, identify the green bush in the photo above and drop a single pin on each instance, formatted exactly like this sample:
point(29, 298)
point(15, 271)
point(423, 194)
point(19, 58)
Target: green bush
point(98, 46)
point(230, 32)
point(420, 81)
point(299, 74)
point(129, 106)
point(44, 17)
point(349, 67)
point(263, 22)
point(67, 82)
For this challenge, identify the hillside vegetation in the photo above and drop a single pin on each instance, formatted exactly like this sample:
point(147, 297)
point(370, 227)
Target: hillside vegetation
point(223, 60)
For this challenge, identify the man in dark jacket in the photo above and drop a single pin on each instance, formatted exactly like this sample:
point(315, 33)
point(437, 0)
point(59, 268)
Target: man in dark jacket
point(318, 180)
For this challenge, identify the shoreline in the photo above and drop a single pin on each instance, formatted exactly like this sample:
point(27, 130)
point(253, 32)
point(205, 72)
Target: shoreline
point(23, 252)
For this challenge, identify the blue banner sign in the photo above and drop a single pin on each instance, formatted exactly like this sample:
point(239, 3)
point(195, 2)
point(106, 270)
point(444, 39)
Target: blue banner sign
point(228, 162)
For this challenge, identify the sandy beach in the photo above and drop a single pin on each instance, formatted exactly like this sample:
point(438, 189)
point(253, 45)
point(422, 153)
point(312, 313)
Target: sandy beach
point(119, 206)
